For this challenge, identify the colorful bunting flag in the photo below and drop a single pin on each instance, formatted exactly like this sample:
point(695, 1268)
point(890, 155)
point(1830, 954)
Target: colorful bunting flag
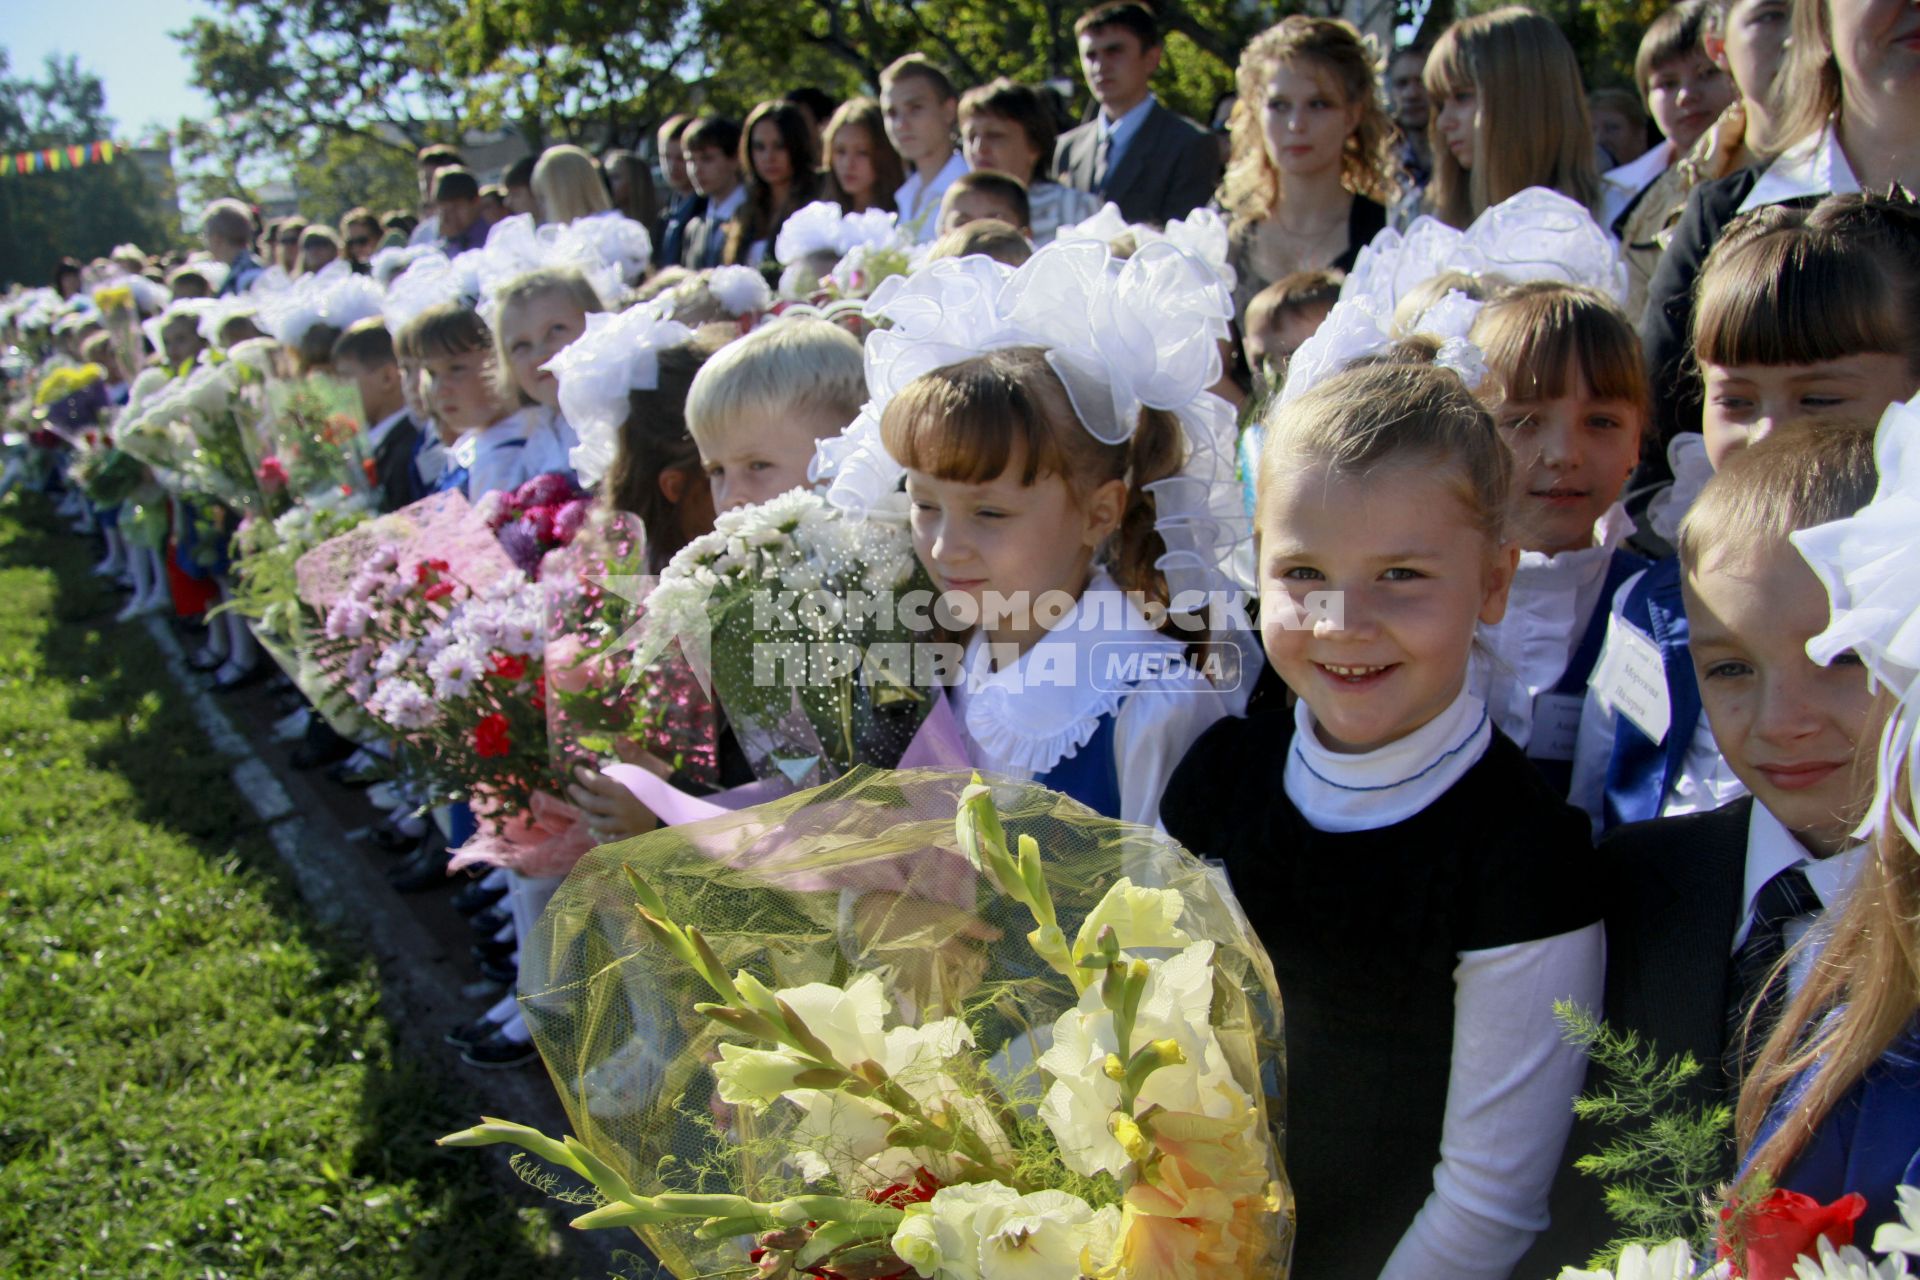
point(58, 159)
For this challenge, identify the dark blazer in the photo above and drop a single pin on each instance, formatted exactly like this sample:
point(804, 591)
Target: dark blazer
point(1168, 170)
point(1671, 892)
point(393, 473)
point(674, 230)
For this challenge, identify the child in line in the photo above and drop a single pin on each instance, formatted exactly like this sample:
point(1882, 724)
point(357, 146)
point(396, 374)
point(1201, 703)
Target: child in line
point(984, 193)
point(1416, 883)
point(863, 169)
point(363, 355)
point(1800, 313)
point(1013, 498)
point(1699, 908)
point(1571, 398)
point(1281, 317)
point(983, 238)
point(920, 106)
point(488, 439)
point(536, 316)
point(757, 408)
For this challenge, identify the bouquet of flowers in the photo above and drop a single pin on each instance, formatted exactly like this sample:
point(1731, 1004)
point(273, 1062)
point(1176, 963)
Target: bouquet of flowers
point(266, 552)
point(120, 312)
point(544, 513)
point(220, 405)
point(795, 609)
point(318, 443)
point(901, 1025)
point(598, 704)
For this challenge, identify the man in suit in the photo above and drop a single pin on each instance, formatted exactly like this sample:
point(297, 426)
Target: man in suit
point(713, 164)
point(683, 203)
point(1154, 164)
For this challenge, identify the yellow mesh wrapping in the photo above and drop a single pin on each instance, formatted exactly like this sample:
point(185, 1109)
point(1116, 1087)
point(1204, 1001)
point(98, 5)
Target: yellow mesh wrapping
point(862, 875)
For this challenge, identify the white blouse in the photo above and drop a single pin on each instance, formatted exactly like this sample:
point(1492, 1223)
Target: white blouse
point(1513, 1077)
point(550, 441)
point(1525, 653)
point(1103, 658)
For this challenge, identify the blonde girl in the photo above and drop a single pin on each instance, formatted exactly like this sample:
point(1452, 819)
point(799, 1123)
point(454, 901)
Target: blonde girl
point(1414, 880)
point(1509, 112)
point(862, 168)
point(1311, 171)
point(1015, 503)
point(535, 317)
point(567, 185)
point(1569, 395)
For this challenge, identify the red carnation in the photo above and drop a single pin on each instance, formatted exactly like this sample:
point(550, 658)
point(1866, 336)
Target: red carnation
point(509, 666)
point(438, 591)
point(490, 737)
point(272, 473)
point(539, 698)
point(1785, 1227)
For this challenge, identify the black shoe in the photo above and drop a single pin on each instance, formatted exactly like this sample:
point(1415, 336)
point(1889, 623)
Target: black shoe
point(504, 972)
point(384, 835)
point(251, 676)
point(426, 869)
point(468, 1034)
point(498, 1052)
point(476, 898)
point(204, 662)
point(488, 922)
point(493, 949)
point(357, 778)
point(321, 746)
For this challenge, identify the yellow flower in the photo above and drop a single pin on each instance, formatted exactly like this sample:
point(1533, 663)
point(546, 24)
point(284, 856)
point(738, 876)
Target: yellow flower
point(1207, 1209)
point(116, 298)
point(67, 381)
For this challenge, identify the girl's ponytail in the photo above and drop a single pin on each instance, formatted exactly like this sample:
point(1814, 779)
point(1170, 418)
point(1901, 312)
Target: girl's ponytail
point(1156, 452)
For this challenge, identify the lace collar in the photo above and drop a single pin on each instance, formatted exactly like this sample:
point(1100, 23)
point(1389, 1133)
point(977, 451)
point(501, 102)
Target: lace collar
point(1341, 791)
point(1033, 713)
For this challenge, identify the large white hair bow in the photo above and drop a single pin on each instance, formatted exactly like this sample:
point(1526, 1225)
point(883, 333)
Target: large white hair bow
point(516, 247)
point(617, 355)
point(1122, 336)
point(333, 296)
point(1865, 562)
point(1535, 234)
point(619, 240)
point(1202, 233)
point(430, 280)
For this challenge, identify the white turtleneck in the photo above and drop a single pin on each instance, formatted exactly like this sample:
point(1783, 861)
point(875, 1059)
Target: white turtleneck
point(1361, 791)
point(1513, 1078)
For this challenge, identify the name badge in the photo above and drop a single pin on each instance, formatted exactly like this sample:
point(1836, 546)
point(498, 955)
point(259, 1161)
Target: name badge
point(1631, 678)
point(1556, 725)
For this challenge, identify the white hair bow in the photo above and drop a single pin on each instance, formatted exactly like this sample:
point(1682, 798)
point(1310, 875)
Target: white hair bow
point(616, 355)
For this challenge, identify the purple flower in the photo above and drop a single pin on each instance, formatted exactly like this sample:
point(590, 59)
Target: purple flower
point(522, 544)
point(567, 522)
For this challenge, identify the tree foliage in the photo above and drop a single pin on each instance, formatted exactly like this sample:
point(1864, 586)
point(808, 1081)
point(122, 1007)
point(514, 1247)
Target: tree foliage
point(80, 212)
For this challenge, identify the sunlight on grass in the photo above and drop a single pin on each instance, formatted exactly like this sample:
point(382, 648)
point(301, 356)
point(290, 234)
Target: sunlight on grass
point(192, 1083)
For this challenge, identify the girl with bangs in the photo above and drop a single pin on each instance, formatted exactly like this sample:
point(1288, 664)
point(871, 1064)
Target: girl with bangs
point(1571, 402)
point(1040, 540)
point(1312, 168)
point(1801, 314)
point(1509, 112)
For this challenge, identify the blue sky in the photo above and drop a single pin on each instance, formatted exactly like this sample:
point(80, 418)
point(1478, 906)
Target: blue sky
point(124, 42)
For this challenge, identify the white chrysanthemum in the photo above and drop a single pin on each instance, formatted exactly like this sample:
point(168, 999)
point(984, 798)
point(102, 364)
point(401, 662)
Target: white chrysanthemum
point(347, 620)
point(454, 670)
point(1846, 1263)
point(1902, 1236)
point(1670, 1261)
point(397, 655)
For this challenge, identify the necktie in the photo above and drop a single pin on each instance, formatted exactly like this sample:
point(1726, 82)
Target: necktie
point(1100, 154)
point(1788, 896)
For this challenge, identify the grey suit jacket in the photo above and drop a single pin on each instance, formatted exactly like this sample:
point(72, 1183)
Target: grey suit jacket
point(1169, 169)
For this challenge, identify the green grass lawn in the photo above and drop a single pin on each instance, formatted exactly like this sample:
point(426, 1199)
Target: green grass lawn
point(192, 1082)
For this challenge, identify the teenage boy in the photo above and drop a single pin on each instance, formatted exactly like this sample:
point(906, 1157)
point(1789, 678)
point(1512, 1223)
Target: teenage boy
point(456, 207)
point(229, 230)
point(682, 203)
point(1157, 166)
point(427, 166)
point(1407, 97)
point(920, 107)
point(364, 356)
point(713, 167)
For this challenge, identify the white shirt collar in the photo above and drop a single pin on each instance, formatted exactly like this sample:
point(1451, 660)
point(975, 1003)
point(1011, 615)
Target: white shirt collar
point(919, 200)
point(1771, 849)
point(470, 446)
point(1813, 166)
point(1626, 181)
point(729, 205)
point(381, 429)
point(1038, 710)
point(1342, 791)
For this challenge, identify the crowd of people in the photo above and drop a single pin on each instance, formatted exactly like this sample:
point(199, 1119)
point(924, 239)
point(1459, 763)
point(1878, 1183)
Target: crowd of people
point(1586, 407)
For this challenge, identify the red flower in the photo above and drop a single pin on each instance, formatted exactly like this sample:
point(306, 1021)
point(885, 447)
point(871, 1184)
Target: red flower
point(438, 591)
point(902, 1194)
point(373, 472)
point(427, 568)
point(1785, 1227)
point(490, 736)
point(272, 473)
point(509, 666)
point(539, 698)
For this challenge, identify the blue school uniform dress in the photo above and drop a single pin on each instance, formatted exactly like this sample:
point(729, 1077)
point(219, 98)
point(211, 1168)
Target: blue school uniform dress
point(1869, 1142)
point(1100, 709)
point(494, 458)
point(1531, 667)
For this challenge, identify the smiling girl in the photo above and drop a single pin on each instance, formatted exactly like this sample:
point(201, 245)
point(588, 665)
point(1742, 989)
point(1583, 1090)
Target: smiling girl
point(1509, 112)
point(1312, 168)
point(1570, 397)
point(536, 317)
point(1413, 879)
point(1016, 503)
